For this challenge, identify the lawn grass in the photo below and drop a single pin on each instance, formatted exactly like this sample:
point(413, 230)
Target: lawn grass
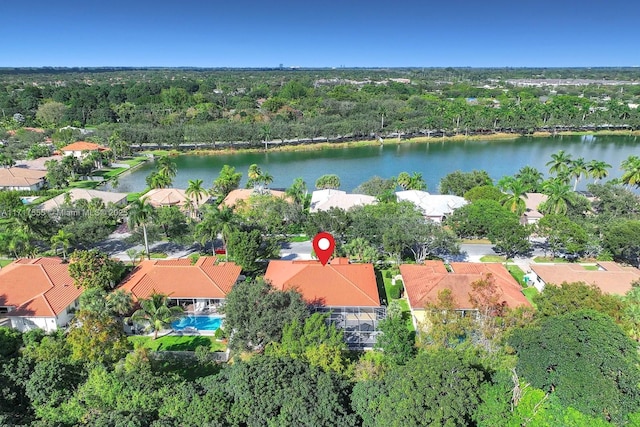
point(543, 259)
point(591, 267)
point(529, 293)
point(84, 184)
point(298, 239)
point(492, 258)
point(158, 255)
point(402, 302)
point(177, 343)
point(134, 161)
point(5, 262)
point(516, 272)
point(476, 241)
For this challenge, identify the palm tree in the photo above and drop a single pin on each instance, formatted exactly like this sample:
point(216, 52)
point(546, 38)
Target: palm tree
point(216, 222)
point(156, 313)
point(119, 302)
point(577, 168)
point(62, 239)
point(140, 214)
point(559, 162)
point(514, 200)
point(404, 180)
point(559, 197)
point(298, 191)
point(631, 168)
point(598, 169)
point(254, 174)
point(195, 191)
point(266, 179)
point(158, 180)
point(167, 167)
point(530, 177)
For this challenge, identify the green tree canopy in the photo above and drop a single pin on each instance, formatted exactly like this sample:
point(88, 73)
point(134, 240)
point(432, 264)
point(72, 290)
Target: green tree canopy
point(584, 359)
point(458, 182)
point(257, 313)
point(94, 269)
point(436, 388)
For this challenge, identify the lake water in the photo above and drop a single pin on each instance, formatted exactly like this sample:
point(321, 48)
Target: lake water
point(434, 160)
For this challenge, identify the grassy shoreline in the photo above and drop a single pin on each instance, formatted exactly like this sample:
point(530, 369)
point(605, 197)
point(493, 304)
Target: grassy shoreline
point(320, 146)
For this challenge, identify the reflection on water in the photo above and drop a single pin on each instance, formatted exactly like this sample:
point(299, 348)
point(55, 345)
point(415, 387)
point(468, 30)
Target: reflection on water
point(433, 160)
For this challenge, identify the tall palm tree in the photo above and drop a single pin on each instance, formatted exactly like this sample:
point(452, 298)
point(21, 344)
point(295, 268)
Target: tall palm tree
point(141, 213)
point(158, 180)
point(156, 314)
point(298, 191)
point(631, 168)
point(216, 221)
point(266, 179)
point(531, 177)
point(514, 199)
point(195, 191)
point(578, 168)
point(167, 167)
point(559, 162)
point(254, 174)
point(62, 239)
point(598, 169)
point(559, 197)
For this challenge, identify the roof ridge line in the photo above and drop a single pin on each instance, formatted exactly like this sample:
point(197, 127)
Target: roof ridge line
point(356, 286)
point(44, 294)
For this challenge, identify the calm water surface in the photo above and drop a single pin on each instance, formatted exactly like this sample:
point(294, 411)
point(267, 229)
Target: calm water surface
point(434, 160)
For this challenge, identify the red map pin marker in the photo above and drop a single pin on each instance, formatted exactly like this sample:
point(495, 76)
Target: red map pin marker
point(323, 245)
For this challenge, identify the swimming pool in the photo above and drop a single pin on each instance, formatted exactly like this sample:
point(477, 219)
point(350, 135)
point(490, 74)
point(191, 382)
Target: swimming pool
point(201, 323)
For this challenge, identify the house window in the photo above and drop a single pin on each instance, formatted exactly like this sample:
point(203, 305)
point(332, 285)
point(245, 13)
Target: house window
point(4, 310)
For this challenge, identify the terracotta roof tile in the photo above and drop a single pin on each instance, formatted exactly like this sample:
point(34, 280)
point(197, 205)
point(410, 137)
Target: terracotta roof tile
point(422, 283)
point(611, 279)
point(178, 278)
point(37, 287)
point(333, 285)
point(82, 146)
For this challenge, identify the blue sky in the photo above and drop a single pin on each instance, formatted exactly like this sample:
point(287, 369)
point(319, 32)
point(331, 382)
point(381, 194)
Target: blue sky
point(311, 33)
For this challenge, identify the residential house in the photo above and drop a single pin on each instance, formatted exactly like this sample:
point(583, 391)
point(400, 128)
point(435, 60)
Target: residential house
point(196, 287)
point(348, 292)
point(423, 283)
point(22, 179)
point(610, 277)
point(163, 197)
point(323, 200)
point(242, 196)
point(38, 293)
point(436, 207)
point(81, 149)
point(531, 214)
point(76, 194)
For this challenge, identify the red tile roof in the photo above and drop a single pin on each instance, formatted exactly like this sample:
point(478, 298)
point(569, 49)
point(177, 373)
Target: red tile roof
point(423, 282)
point(39, 287)
point(83, 146)
point(178, 278)
point(612, 278)
point(336, 284)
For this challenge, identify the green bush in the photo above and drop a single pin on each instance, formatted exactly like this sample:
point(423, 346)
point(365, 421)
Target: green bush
point(396, 291)
point(387, 274)
point(219, 334)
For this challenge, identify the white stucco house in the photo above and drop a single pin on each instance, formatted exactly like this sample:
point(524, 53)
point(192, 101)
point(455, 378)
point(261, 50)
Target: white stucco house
point(38, 293)
point(323, 200)
point(21, 179)
point(435, 207)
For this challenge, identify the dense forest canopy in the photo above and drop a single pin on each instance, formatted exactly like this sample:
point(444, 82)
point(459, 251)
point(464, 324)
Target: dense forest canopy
point(214, 107)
